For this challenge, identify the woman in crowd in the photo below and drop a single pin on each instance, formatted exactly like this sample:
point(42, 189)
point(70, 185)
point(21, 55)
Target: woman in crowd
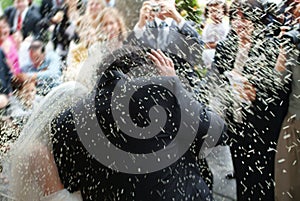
point(214, 31)
point(111, 30)
point(246, 60)
point(90, 18)
point(9, 46)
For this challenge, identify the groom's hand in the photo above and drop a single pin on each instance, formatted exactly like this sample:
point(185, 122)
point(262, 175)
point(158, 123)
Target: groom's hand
point(163, 64)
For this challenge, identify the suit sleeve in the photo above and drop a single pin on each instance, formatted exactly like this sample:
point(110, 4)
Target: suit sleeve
point(188, 30)
point(5, 75)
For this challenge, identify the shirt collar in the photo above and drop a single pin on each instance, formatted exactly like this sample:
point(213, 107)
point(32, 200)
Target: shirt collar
point(167, 20)
point(23, 13)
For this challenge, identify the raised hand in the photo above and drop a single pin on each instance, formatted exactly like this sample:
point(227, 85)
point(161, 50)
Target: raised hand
point(146, 14)
point(163, 64)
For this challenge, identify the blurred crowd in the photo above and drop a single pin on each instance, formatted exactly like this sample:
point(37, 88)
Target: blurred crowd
point(249, 65)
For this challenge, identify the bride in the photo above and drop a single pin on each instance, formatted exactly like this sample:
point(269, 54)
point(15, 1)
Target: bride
point(29, 166)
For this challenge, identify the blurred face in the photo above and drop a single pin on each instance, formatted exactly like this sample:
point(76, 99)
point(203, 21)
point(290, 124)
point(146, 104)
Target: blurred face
point(242, 26)
point(216, 13)
point(21, 5)
point(37, 57)
point(94, 7)
point(4, 30)
point(110, 26)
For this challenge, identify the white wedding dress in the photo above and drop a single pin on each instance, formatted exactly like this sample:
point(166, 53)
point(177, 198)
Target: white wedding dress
point(23, 160)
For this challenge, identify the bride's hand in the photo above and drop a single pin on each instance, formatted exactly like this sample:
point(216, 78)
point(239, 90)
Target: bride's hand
point(163, 64)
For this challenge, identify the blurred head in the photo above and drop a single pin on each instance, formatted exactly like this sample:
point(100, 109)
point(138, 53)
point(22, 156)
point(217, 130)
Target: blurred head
point(27, 93)
point(37, 52)
point(94, 7)
point(4, 28)
point(252, 10)
point(21, 5)
point(242, 25)
point(112, 24)
point(215, 10)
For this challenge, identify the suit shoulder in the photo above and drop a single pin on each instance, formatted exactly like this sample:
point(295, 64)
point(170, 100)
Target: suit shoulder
point(8, 11)
point(34, 14)
point(2, 56)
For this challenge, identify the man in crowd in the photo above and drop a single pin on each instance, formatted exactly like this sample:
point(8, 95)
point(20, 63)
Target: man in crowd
point(162, 16)
point(44, 68)
point(24, 18)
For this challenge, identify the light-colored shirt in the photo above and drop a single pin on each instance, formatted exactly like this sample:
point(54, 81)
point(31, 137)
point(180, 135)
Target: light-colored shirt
point(48, 74)
point(213, 33)
point(140, 31)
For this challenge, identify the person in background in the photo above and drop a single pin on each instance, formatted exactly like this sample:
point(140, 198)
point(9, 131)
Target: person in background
point(62, 19)
point(9, 46)
point(44, 68)
point(162, 15)
point(24, 18)
point(111, 30)
point(258, 102)
point(23, 102)
point(89, 19)
point(48, 5)
point(5, 83)
point(112, 25)
point(215, 30)
point(287, 159)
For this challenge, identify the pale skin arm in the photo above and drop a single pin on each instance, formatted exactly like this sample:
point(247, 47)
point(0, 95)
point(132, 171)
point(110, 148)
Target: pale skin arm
point(45, 170)
point(281, 61)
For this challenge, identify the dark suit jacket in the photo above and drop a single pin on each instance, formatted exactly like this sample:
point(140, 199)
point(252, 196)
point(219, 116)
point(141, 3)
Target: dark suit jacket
point(253, 140)
point(185, 43)
point(175, 36)
point(5, 75)
point(30, 23)
point(78, 170)
point(265, 117)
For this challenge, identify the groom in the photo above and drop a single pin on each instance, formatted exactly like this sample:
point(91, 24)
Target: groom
point(81, 168)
